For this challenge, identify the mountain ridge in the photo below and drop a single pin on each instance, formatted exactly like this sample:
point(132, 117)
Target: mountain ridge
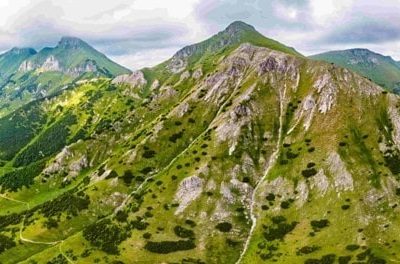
point(381, 69)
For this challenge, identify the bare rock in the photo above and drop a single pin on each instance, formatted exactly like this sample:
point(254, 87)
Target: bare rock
point(320, 182)
point(197, 74)
point(189, 190)
point(135, 79)
point(342, 178)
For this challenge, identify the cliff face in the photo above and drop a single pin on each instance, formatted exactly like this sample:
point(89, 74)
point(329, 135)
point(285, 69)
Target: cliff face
point(246, 154)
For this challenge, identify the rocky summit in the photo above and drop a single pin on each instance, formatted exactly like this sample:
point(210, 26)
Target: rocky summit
point(238, 149)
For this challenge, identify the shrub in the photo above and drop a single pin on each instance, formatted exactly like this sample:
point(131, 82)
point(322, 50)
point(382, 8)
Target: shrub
point(105, 235)
point(165, 247)
point(319, 224)
point(148, 154)
point(121, 216)
point(183, 232)
point(224, 226)
point(51, 223)
point(307, 173)
point(113, 174)
point(344, 259)
point(345, 207)
point(176, 136)
point(191, 223)
point(285, 205)
point(128, 177)
point(307, 250)
point(278, 231)
point(67, 202)
point(146, 235)
point(138, 224)
point(59, 259)
point(270, 197)
point(352, 247)
point(6, 243)
point(310, 164)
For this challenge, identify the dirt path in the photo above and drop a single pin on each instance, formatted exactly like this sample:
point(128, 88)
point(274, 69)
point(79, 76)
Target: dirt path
point(21, 237)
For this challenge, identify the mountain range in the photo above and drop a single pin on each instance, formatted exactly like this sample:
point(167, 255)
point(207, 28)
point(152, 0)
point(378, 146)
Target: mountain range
point(26, 74)
point(238, 149)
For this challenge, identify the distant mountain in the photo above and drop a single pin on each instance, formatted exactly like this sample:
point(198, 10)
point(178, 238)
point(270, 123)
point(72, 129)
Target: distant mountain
point(12, 59)
point(26, 75)
point(72, 56)
point(381, 69)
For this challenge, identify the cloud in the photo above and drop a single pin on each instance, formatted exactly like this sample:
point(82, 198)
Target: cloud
point(139, 33)
point(364, 32)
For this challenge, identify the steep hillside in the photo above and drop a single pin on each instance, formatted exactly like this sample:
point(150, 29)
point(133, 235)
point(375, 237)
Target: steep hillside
point(27, 75)
point(383, 70)
point(244, 155)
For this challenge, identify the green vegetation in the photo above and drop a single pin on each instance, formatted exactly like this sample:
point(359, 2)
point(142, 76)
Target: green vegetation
point(18, 178)
point(50, 142)
point(105, 235)
point(165, 247)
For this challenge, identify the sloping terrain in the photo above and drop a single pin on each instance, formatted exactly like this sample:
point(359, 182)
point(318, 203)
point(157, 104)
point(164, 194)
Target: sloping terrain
point(245, 152)
point(27, 75)
point(382, 70)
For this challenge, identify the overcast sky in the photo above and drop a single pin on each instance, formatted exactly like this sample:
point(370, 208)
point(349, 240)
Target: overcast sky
point(139, 33)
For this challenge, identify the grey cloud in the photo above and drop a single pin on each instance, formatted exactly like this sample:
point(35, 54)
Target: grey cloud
point(364, 33)
point(256, 12)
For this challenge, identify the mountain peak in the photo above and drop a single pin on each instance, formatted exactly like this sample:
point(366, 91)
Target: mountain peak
point(71, 42)
point(238, 26)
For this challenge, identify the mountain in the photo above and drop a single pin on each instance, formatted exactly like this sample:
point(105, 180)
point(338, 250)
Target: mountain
point(12, 59)
point(246, 154)
point(383, 70)
point(74, 57)
point(27, 75)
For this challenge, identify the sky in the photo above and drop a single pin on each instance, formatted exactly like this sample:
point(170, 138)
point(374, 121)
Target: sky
point(139, 33)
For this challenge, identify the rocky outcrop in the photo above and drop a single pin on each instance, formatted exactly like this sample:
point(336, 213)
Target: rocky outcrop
point(51, 64)
point(189, 190)
point(320, 182)
point(135, 79)
point(394, 114)
point(197, 74)
point(87, 66)
point(59, 161)
point(27, 66)
point(343, 180)
point(78, 165)
point(327, 89)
